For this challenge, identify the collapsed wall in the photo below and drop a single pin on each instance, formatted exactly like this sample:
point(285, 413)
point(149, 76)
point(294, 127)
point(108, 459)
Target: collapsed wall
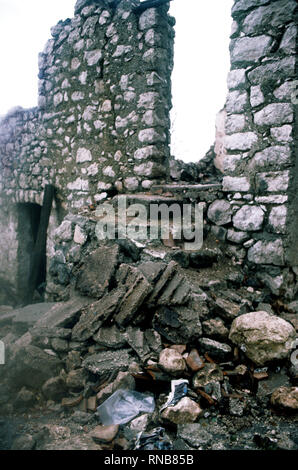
point(102, 129)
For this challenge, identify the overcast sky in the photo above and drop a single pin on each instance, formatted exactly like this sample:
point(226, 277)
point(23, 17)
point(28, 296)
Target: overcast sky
point(199, 78)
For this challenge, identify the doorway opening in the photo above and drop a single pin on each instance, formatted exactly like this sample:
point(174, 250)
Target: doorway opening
point(28, 224)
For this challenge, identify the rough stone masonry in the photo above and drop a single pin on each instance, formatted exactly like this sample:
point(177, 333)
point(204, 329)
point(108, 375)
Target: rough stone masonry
point(126, 315)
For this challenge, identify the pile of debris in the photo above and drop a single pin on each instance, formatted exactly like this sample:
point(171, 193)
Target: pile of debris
point(151, 355)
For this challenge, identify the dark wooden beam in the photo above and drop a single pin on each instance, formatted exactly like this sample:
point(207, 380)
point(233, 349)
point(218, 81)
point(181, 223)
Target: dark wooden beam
point(41, 241)
point(150, 4)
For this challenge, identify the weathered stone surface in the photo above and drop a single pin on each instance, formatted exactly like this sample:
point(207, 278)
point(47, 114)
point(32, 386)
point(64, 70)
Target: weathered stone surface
point(180, 324)
point(63, 314)
point(249, 218)
point(218, 351)
point(195, 435)
point(210, 373)
point(236, 78)
point(288, 43)
point(237, 237)
point(264, 252)
point(262, 337)
point(250, 49)
point(26, 442)
point(236, 184)
point(194, 361)
point(256, 96)
point(107, 361)
point(274, 114)
point(220, 212)
point(277, 219)
point(54, 388)
point(281, 69)
point(275, 14)
point(275, 155)
point(282, 134)
point(236, 102)
point(104, 433)
point(110, 337)
point(75, 379)
point(96, 314)
point(97, 271)
point(285, 398)
point(185, 411)
point(272, 181)
point(31, 367)
point(204, 258)
point(138, 289)
point(226, 309)
point(136, 340)
point(172, 361)
point(28, 316)
point(215, 328)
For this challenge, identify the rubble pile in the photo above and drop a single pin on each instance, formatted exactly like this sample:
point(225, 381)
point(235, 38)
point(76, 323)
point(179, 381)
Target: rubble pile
point(147, 354)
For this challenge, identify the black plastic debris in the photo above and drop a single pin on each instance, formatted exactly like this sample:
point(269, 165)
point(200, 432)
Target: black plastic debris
point(179, 390)
point(155, 440)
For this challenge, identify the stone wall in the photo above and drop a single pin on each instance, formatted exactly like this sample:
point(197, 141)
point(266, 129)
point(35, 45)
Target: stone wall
point(260, 166)
point(102, 124)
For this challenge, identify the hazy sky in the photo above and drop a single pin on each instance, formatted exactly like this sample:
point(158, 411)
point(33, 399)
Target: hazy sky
point(199, 78)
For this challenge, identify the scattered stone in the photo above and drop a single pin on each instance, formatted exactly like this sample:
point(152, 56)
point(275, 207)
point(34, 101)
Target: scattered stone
point(104, 433)
point(236, 406)
point(195, 435)
point(210, 373)
point(194, 361)
point(218, 351)
point(26, 442)
point(185, 411)
point(171, 361)
point(54, 389)
point(285, 398)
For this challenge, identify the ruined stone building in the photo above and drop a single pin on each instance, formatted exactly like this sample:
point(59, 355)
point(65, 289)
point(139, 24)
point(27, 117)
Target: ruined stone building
point(99, 316)
point(101, 129)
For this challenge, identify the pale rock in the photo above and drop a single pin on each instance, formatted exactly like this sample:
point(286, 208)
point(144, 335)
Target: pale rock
point(263, 252)
point(262, 337)
point(249, 218)
point(172, 361)
point(185, 411)
point(83, 155)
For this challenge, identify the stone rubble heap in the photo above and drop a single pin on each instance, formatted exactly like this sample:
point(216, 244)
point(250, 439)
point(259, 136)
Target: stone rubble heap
point(138, 325)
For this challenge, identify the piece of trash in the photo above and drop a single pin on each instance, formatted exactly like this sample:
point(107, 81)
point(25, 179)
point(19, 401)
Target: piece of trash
point(178, 390)
point(123, 406)
point(155, 440)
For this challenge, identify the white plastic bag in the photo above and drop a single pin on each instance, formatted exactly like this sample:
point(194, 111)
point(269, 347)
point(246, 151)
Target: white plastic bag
point(123, 406)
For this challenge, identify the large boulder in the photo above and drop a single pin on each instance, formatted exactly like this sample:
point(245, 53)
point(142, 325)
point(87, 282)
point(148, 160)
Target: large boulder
point(31, 367)
point(262, 337)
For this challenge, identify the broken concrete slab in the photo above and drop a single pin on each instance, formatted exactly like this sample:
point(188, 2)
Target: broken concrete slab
point(110, 337)
point(98, 269)
point(26, 317)
point(63, 314)
point(94, 315)
point(32, 367)
point(138, 289)
point(179, 324)
point(107, 362)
